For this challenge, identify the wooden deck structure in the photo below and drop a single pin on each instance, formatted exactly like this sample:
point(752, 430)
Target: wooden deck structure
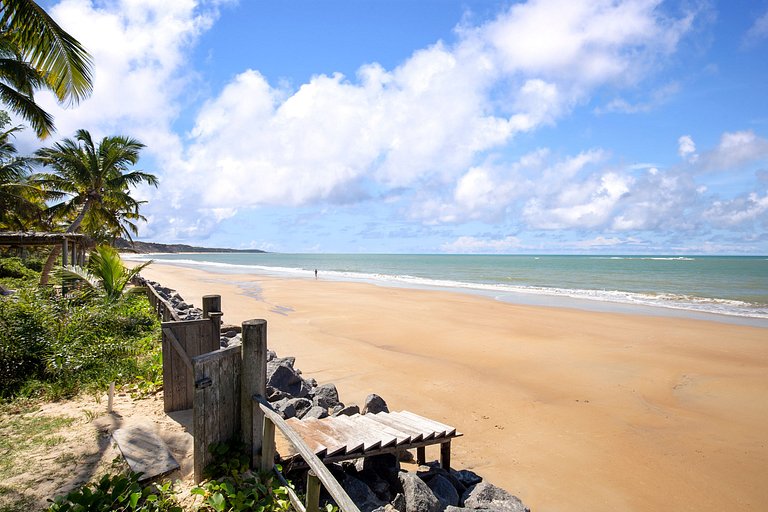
point(72, 244)
point(340, 438)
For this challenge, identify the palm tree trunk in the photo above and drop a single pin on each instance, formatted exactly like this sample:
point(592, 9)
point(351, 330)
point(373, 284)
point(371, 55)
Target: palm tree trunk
point(56, 251)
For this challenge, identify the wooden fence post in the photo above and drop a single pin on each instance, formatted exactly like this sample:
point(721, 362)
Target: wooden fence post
point(211, 303)
point(254, 382)
point(313, 492)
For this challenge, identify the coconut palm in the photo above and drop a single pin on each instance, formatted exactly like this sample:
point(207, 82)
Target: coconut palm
point(94, 180)
point(105, 274)
point(36, 53)
point(20, 201)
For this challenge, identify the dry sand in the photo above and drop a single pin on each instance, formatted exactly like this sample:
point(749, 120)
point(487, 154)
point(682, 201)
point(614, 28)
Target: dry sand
point(569, 410)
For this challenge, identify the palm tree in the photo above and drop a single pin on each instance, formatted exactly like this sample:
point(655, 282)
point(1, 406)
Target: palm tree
point(96, 181)
point(20, 201)
point(105, 275)
point(36, 53)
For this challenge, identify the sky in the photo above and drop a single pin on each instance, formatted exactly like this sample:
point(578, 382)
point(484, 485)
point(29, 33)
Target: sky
point(436, 126)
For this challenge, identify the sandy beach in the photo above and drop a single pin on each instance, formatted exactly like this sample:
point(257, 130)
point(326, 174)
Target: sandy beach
point(569, 410)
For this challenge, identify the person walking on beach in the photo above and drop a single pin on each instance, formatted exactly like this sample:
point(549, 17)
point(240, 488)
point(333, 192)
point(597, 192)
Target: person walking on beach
point(315, 273)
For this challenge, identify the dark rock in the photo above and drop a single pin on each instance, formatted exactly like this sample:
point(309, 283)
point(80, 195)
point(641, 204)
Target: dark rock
point(488, 496)
point(315, 412)
point(273, 395)
point(325, 396)
point(284, 378)
point(284, 361)
point(432, 469)
point(301, 405)
point(228, 327)
point(182, 306)
point(271, 355)
point(444, 491)
point(312, 382)
point(466, 477)
point(229, 334)
point(285, 408)
point(386, 508)
point(418, 497)
point(451, 508)
point(406, 456)
point(399, 502)
point(374, 403)
point(348, 410)
point(361, 494)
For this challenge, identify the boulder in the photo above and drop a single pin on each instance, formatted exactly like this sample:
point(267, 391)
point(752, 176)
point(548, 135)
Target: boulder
point(315, 412)
point(374, 403)
point(301, 405)
point(285, 408)
point(284, 378)
point(325, 396)
point(466, 477)
point(229, 327)
point(361, 494)
point(444, 491)
point(398, 502)
point(347, 411)
point(487, 496)
point(418, 497)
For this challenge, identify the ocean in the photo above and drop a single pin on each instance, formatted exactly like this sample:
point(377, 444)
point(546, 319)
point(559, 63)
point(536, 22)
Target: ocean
point(732, 289)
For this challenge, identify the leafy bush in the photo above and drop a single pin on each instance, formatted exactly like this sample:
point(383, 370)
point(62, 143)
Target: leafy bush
point(15, 268)
point(57, 346)
point(235, 488)
point(118, 492)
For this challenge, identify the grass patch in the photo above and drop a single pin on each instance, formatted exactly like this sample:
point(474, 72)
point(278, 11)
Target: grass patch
point(22, 431)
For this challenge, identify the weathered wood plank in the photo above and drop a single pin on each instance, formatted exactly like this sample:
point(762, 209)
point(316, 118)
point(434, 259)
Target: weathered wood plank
point(253, 376)
point(389, 437)
point(427, 430)
point(340, 432)
point(332, 486)
point(144, 451)
point(383, 417)
point(180, 352)
point(436, 425)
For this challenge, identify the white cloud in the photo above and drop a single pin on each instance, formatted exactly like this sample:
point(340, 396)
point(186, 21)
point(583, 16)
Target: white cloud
point(686, 148)
point(758, 31)
point(589, 204)
point(741, 210)
point(421, 129)
point(424, 123)
point(474, 245)
point(735, 150)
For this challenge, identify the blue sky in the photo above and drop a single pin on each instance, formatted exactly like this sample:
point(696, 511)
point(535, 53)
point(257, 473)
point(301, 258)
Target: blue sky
point(429, 126)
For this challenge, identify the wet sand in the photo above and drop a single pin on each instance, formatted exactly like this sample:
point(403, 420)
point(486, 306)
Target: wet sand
point(569, 410)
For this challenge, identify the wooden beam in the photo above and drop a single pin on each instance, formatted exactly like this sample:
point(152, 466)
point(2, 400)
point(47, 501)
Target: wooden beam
point(313, 492)
point(253, 375)
point(445, 455)
point(333, 487)
point(177, 346)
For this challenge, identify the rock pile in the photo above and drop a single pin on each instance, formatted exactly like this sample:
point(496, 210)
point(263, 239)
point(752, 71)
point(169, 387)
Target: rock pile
point(377, 483)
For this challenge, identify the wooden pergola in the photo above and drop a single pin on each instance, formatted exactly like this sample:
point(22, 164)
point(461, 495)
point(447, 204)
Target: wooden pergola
point(72, 244)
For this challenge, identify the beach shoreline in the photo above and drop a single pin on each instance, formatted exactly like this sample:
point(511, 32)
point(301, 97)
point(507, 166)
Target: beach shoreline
point(568, 409)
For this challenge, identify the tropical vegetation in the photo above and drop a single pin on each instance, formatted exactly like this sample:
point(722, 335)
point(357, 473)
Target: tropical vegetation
point(36, 53)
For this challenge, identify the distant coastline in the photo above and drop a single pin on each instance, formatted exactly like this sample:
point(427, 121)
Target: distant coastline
point(138, 247)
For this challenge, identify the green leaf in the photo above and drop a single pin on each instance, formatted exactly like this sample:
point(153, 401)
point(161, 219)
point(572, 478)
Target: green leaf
point(217, 502)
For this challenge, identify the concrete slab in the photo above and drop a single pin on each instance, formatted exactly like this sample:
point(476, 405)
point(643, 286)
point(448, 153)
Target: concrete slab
point(144, 451)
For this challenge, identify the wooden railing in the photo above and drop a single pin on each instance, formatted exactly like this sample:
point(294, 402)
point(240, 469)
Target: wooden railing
point(161, 306)
point(318, 472)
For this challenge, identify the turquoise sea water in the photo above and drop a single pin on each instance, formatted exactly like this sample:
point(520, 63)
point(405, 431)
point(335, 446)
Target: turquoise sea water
point(733, 288)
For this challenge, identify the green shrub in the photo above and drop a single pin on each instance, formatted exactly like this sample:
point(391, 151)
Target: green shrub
point(118, 492)
point(233, 487)
point(56, 346)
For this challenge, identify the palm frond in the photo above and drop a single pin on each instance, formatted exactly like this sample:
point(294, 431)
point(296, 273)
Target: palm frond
point(63, 60)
